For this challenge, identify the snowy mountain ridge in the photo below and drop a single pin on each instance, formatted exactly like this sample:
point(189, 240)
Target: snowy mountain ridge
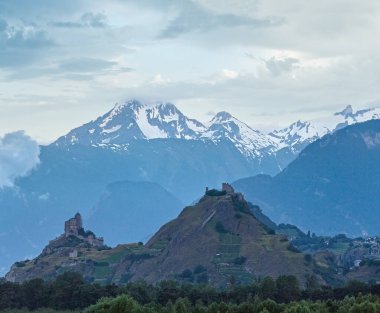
point(135, 120)
point(250, 142)
point(304, 132)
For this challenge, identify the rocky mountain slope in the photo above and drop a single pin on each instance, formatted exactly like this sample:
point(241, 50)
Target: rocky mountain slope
point(216, 240)
point(221, 234)
point(332, 187)
point(220, 240)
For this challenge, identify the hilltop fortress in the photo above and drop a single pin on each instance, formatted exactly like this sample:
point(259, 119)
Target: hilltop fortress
point(227, 190)
point(74, 229)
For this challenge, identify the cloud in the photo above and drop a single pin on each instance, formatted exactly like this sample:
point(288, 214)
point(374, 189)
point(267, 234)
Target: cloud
point(159, 80)
point(278, 66)
point(193, 17)
point(80, 65)
point(89, 19)
point(24, 36)
point(94, 20)
point(229, 74)
point(306, 55)
point(19, 154)
point(75, 69)
point(21, 44)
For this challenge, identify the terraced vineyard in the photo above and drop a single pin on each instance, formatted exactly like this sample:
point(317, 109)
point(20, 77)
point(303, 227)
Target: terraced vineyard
point(228, 260)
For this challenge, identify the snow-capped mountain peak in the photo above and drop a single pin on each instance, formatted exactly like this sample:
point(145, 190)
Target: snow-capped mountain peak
point(248, 141)
point(346, 112)
point(221, 117)
point(297, 133)
point(134, 120)
point(301, 133)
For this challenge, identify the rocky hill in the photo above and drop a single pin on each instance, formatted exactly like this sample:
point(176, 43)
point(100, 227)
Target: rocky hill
point(222, 239)
point(218, 240)
point(60, 254)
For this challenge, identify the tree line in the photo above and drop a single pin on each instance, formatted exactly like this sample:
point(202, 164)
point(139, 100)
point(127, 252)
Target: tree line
point(70, 292)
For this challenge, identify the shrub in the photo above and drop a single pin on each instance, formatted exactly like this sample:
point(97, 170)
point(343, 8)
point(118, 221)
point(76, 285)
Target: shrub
point(21, 264)
point(121, 304)
point(101, 264)
point(199, 269)
point(240, 260)
point(219, 227)
point(216, 193)
point(308, 258)
point(292, 248)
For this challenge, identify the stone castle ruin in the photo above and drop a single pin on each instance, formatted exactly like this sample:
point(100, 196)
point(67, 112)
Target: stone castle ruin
point(74, 227)
point(227, 189)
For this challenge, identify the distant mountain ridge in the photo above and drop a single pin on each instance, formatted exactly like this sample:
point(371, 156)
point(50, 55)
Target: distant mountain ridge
point(134, 120)
point(302, 133)
point(332, 187)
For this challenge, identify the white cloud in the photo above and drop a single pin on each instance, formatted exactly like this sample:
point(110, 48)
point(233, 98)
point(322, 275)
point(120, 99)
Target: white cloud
point(230, 74)
point(61, 60)
point(279, 66)
point(159, 80)
point(19, 154)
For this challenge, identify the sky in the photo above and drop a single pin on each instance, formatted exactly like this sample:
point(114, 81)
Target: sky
point(269, 63)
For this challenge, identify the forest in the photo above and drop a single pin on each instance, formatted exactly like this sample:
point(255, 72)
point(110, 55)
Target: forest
point(70, 293)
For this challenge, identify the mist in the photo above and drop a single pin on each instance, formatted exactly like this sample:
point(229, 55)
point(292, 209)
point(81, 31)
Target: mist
point(19, 154)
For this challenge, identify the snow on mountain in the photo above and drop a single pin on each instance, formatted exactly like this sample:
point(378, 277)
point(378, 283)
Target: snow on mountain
point(301, 133)
point(250, 142)
point(297, 134)
point(347, 117)
point(134, 120)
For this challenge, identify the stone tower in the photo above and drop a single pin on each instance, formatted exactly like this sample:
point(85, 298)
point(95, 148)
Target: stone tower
point(227, 188)
point(73, 225)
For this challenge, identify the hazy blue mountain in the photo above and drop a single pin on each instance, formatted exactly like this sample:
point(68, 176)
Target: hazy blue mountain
point(136, 141)
point(132, 211)
point(332, 187)
point(72, 179)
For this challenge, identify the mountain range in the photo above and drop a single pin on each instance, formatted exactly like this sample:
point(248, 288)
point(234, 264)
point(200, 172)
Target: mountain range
point(93, 168)
point(267, 153)
point(134, 120)
point(332, 187)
